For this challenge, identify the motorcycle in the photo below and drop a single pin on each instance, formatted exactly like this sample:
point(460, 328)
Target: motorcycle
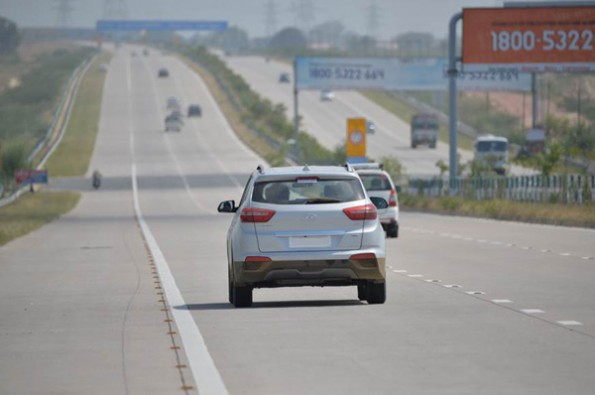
point(96, 179)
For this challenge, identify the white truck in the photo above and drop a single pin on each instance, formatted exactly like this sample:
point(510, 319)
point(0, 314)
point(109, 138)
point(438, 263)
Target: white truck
point(493, 151)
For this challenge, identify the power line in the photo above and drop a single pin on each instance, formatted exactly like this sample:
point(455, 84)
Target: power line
point(64, 10)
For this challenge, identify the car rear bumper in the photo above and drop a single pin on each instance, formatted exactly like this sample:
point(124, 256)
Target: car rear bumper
point(309, 272)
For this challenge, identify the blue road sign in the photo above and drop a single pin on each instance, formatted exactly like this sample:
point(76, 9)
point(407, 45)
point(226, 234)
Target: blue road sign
point(109, 25)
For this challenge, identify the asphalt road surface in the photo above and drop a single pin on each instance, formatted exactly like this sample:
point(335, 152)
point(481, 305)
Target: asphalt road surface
point(127, 294)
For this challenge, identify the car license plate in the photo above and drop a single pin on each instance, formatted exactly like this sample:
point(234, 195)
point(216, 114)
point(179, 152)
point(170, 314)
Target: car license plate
point(309, 241)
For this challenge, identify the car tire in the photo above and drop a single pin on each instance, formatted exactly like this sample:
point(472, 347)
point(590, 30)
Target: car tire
point(362, 291)
point(242, 296)
point(376, 293)
point(433, 145)
point(229, 287)
point(413, 145)
point(392, 231)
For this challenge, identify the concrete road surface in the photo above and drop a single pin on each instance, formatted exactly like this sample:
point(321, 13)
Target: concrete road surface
point(474, 306)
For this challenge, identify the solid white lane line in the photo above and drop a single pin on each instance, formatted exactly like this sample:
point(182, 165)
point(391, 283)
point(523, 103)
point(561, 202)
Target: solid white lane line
point(205, 374)
point(207, 377)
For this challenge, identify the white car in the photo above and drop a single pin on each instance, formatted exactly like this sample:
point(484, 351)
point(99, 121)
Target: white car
point(327, 95)
point(378, 183)
point(305, 226)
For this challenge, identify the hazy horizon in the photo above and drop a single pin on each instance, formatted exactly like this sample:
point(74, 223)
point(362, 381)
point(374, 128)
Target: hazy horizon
point(393, 17)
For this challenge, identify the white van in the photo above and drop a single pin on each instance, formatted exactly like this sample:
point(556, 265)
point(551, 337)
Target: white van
point(492, 150)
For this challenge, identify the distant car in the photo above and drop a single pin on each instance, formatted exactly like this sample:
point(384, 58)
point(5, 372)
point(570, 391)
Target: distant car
point(173, 122)
point(194, 110)
point(327, 95)
point(163, 73)
point(305, 226)
point(378, 183)
point(172, 103)
point(371, 127)
point(284, 78)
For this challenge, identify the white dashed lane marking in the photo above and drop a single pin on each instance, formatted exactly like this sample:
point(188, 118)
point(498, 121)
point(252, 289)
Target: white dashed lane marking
point(497, 243)
point(528, 312)
point(532, 311)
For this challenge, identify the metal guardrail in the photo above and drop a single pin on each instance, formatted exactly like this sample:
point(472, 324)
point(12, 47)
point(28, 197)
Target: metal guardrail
point(566, 188)
point(67, 99)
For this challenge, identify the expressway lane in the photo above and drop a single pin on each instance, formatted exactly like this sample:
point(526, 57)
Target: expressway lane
point(427, 338)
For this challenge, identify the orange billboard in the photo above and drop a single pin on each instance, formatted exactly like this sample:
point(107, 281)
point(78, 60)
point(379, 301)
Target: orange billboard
point(529, 39)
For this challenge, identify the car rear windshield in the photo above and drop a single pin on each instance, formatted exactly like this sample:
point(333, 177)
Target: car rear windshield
point(307, 190)
point(376, 182)
point(491, 146)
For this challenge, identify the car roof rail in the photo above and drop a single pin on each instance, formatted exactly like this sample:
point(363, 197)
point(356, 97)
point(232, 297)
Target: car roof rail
point(371, 165)
point(348, 167)
point(260, 168)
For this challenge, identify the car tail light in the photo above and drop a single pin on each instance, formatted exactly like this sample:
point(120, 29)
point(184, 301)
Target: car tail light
point(365, 260)
point(364, 212)
point(257, 258)
point(250, 214)
point(255, 262)
point(392, 199)
point(366, 255)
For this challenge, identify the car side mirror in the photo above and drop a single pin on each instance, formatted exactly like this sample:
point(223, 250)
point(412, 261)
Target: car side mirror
point(398, 188)
point(227, 206)
point(379, 202)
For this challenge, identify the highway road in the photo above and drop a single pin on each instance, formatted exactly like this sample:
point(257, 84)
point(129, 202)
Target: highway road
point(127, 294)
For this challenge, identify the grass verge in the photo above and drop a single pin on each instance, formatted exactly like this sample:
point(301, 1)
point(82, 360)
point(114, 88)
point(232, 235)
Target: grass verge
point(33, 210)
point(73, 155)
point(542, 213)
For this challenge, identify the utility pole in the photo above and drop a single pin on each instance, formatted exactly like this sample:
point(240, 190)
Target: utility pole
point(63, 13)
point(270, 20)
point(373, 13)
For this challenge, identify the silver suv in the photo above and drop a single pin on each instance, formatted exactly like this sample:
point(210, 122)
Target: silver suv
point(378, 183)
point(305, 226)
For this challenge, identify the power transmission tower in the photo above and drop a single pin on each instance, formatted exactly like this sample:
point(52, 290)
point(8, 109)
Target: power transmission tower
point(115, 9)
point(270, 18)
point(373, 19)
point(63, 13)
point(303, 14)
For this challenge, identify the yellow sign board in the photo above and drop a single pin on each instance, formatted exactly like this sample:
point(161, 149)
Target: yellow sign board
point(356, 138)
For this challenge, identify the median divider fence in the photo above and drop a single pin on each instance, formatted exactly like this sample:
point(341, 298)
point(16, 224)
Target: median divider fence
point(562, 188)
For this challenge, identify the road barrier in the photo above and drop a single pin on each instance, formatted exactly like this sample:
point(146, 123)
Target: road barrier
point(561, 188)
point(57, 126)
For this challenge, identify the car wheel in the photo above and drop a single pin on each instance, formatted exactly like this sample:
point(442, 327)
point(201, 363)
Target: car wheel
point(392, 231)
point(242, 296)
point(362, 292)
point(433, 145)
point(376, 293)
point(229, 287)
point(413, 145)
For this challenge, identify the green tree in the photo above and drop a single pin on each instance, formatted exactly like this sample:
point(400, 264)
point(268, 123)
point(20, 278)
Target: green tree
point(9, 37)
point(289, 38)
point(548, 160)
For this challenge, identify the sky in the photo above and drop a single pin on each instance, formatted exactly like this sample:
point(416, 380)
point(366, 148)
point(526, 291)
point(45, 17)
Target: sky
point(393, 16)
